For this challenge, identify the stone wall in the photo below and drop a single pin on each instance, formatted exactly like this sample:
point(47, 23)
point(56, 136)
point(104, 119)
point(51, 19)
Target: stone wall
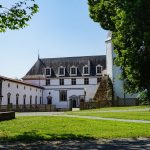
point(7, 115)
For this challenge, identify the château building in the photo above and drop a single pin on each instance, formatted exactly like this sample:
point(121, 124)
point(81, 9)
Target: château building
point(63, 82)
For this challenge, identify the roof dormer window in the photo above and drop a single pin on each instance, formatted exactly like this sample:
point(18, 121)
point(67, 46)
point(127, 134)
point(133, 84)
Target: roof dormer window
point(61, 71)
point(48, 71)
point(98, 69)
point(73, 71)
point(86, 70)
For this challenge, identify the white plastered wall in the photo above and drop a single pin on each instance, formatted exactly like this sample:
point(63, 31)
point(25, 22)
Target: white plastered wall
point(13, 90)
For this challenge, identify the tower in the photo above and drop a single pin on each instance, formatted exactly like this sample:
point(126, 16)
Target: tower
point(114, 72)
point(109, 55)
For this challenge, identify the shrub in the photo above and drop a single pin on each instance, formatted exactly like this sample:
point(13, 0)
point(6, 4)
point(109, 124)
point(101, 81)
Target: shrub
point(143, 97)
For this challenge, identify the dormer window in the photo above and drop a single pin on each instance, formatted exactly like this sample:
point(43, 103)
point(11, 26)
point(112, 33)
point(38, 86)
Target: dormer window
point(73, 71)
point(61, 71)
point(48, 71)
point(86, 70)
point(98, 69)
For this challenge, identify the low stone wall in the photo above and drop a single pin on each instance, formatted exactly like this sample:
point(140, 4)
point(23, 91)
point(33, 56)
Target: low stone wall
point(126, 102)
point(28, 108)
point(7, 115)
point(94, 105)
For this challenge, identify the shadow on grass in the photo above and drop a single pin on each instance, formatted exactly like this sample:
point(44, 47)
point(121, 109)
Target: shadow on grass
point(34, 136)
point(35, 140)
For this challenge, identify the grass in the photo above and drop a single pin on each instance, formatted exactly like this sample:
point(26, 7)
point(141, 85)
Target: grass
point(51, 128)
point(119, 108)
point(143, 115)
point(115, 112)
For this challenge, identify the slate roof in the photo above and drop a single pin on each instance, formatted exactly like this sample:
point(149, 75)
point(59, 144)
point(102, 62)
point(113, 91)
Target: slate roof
point(19, 82)
point(38, 69)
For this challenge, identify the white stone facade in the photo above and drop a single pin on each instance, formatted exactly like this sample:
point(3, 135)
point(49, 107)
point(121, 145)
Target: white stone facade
point(16, 92)
point(80, 90)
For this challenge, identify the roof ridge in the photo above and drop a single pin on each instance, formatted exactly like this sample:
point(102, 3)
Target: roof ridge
point(73, 57)
point(19, 81)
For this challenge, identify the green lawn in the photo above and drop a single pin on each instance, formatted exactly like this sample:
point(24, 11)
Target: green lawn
point(143, 115)
point(45, 128)
point(108, 113)
point(119, 108)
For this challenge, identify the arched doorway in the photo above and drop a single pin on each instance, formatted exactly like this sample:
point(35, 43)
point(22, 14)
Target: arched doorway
point(17, 99)
point(49, 100)
point(8, 98)
point(73, 101)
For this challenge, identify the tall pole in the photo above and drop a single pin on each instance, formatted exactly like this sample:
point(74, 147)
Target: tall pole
point(0, 93)
point(124, 94)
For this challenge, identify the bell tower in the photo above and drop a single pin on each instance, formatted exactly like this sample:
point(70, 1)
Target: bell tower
point(109, 55)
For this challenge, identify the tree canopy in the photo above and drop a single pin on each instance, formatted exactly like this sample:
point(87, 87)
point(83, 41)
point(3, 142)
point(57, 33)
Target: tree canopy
point(130, 25)
point(17, 15)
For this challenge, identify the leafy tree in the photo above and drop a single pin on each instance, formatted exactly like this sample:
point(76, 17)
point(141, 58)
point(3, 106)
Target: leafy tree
point(130, 25)
point(18, 15)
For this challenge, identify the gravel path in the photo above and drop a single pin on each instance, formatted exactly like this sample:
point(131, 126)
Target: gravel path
point(100, 118)
point(62, 114)
point(128, 110)
point(39, 113)
point(101, 144)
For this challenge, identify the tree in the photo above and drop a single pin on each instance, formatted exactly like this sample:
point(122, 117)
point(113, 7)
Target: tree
point(18, 15)
point(130, 25)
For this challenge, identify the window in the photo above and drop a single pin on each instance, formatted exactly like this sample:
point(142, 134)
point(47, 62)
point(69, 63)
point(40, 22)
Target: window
point(47, 82)
point(24, 87)
point(24, 99)
point(98, 80)
point(35, 100)
point(48, 71)
point(98, 69)
point(17, 99)
point(86, 81)
point(73, 71)
point(8, 98)
point(86, 70)
point(0, 89)
point(30, 88)
point(30, 100)
point(61, 81)
point(63, 95)
point(73, 81)
point(8, 84)
point(40, 100)
point(61, 71)
point(17, 86)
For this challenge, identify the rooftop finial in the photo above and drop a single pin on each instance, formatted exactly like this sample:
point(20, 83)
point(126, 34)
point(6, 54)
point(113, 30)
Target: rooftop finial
point(38, 55)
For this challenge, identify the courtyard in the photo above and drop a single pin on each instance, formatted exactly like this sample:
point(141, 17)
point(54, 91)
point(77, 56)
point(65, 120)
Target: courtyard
point(78, 130)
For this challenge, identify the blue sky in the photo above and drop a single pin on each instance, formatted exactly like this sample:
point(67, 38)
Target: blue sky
point(62, 28)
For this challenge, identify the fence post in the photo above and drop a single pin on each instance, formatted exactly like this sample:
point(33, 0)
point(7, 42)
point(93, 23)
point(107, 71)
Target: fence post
point(45, 107)
point(81, 105)
point(99, 104)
